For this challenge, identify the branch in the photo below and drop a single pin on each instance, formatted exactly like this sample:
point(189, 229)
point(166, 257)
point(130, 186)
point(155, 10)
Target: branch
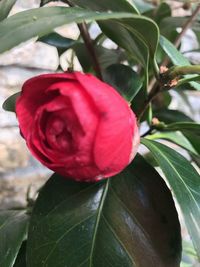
point(89, 44)
point(187, 25)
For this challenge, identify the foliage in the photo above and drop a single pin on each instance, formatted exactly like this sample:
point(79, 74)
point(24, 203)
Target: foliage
point(129, 219)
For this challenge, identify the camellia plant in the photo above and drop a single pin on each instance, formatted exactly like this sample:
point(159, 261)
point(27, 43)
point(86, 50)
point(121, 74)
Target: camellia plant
point(106, 205)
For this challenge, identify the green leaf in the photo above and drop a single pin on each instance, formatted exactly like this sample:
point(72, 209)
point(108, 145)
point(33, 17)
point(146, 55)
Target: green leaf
point(138, 28)
point(111, 223)
point(185, 183)
point(176, 138)
point(162, 11)
point(142, 28)
point(41, 21)
point(183, 126)
point(194, 139)
point(159, 13)
point(107, 5)
point(177, 59)
point(57, 40)
point(124, 79)
point(13, 230)
point(21, 257)
point(106, 56)
point(10, 102)
point(142, 5)
point(5, 7)
point(135, 47)
point(170, 116)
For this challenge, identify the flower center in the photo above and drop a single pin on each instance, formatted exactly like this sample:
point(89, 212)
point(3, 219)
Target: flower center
point(58, 134)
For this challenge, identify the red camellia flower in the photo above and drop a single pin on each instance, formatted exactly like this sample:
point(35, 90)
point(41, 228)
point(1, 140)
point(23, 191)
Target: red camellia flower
point(77, 126)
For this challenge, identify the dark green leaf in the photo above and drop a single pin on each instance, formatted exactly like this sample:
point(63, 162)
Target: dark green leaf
point(142, 5)
point(124, 79)
point(170, 116)
point(13, 230)
point(177, 58)
point(135, 47)
point(117, 222)
point(142, 28)
point(176, 138)
point(166, 99)
point(159, 13)
point(185, 183)
point(107, 5)
point(41, 21)
point(10, 102)
point(183, 126)
point(106, 56)
point(162, 11)
point(21, 257)
point(194, 139)
point(57, 40)
point(5, 7)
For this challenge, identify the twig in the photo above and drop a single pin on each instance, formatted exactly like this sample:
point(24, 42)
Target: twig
point(89, 44)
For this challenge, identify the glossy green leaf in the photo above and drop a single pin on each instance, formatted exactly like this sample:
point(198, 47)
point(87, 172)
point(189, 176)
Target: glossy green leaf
point(57, 40)
point(174, 137)
point(106, 56)
point(170, 116)
point(41, 21)
point(5, 7)
point(177, 58)
point(107, 5)
point(185, 183)
point(9, 103)
point(110, 223)
point(13, 230)
point(124, 79)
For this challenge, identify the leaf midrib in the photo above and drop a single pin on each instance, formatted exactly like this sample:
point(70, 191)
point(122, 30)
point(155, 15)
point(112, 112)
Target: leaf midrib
point(99, 213)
